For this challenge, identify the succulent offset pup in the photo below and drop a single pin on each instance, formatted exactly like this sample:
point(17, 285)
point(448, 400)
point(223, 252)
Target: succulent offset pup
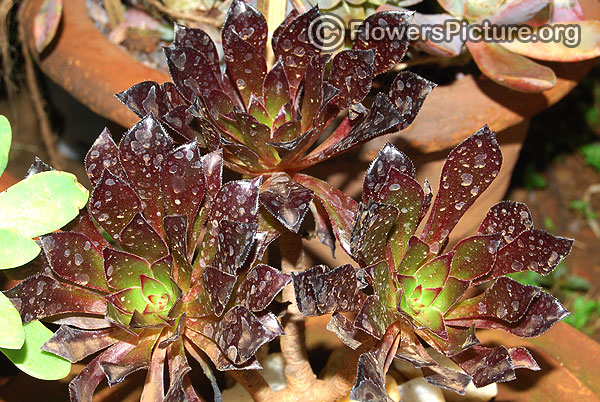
point(408, 289)
point(127, 276)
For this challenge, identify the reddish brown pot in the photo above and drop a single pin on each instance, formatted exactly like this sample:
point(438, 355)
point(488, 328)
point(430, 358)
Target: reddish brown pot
point(93, 69)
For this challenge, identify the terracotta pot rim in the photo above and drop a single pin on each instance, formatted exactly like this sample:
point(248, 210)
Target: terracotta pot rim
point(84, 62)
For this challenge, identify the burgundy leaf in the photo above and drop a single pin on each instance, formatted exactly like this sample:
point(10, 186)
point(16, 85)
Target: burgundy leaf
point(371, 228)
point(533, 250)
point(123, 269)
point(248, 23)
point(200, 41)
point(154, 389)
point(219, 285)
point(84, 224)
point(182, 181)
point(374, 318)
point(104, 154)
point(179, 121)
point(38, 166)
point(277, 33)
point(304, 291)
point(469, 170)
point(521, 358)
point(379, 169)
point(370, 380)
point(322, 226)
point(340, 208)
point(380, 278)
point(508, 218)
point(351, 74)
point(408, 92)
point(294, 47)
point(245, 64)
point(75, 344)
point(459, 340)
point(486, 365)
point(82, 387)
point(287, 201)
point(42, 296)
point(141, 239)
point(178, 369)
point(237, 201)
point(212, 165)
point(260, 287)
point(192, 72)
point(235, 241)
point(390, 50)
point(150, 97)
point(240, 334)
point(313, 89)
point(136, 359)
point(474, 256)
point(73, 257)
point(344, 329)
point(176, 227)
point(335, 290)
point(256, 136)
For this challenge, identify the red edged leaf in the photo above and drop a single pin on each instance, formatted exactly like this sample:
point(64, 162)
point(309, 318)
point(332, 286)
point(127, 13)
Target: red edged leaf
point(260, 287)
point(370, 380)
point(505, 300)
point(458, 341)
point(389, 51)
point(313, 90)
point(136, 359)
point(304, 291)
point(469, 170)
point(180, 122)
point(176, 227)
point(435, 272)
point(408, 93)
point(256, 136)
point(240, 333)
point(351, 74)
point(341, 209)
point(192, 72)
point(322, 226)
point(75, 344)
point(113, 204)
point(371, 228)
point(42, 296)
point(84, 224)
point(237, 201)
point(178, 369)
point(141, 239)
point(389, 156)
point(335, 290)
point(344, 329)
point(287, 201)
point(219, 286)
point(510, 69)
point(521, 358)
point(182, 181)
point(294, 47)
point(150, 97)
point(123, 269)
point(453, 290)
point(486, 365)
point(73, 257)
point(567, 11)
point(277, 33)
point(374, 318)
point(248, 23)
point(235, 240)
point(245, 64)
point(474, 256)
point(416, 254)
point(507, 218)
point(212, 165)
point(82, 387)
point(383, 284)
point(447, 48)
point(200, 41)
point(104, 154)
point(258, 111)
point(128, 300)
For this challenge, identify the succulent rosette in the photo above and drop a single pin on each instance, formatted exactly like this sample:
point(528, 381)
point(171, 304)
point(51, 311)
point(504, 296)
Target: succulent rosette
point(129, 279)
point(270, 120)
point(410, 290)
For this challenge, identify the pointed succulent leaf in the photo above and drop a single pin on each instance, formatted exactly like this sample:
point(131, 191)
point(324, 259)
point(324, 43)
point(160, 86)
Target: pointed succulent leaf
point(313, 89)
point(433, 320)
point(41, 203)
point(447, 48)
point(201, 41)
point(34, 361)
point(182, 181)
point(294, 47)
point(113, 204)
point(245, 64)
point(374, 318)
point(235, 240)
point(176, 228)
point(248, 23)
point(474, 256)
point(389, 156)
point(136, 359)
point(287, 201)
point(371, 228)
point(237, 201)
point(390, 50)
point(459, 340)
point(434, 273)
point(507, 218)
point(587, 48)
point(150, 97)
point(470, 168)
point(453, 290)
point(510, 69)
point(351, 74)
point(123, 269)
point(248, 334)
point(73, 257)
point(42, 296)
point(260, 287)
point(408, 93)
point(370, 380)
point(306, 299)
point(256, 136)
point(281, 28)
point(38, 166)
point(533, 250)
point(344, 329)
point(258, 111)
point(322, 227)
point(212, 165)
point(416, 254)
point(383, 284)
point(340, 208)
point(219, 285)
point(191, 71)
point(486, 365)
point(128, 300)
point(85, 225)
point(140, 238)
point(335, 290)
point(74, 344)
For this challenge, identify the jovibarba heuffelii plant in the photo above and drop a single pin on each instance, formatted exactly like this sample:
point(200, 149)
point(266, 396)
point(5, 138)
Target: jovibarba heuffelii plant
point(408, 290)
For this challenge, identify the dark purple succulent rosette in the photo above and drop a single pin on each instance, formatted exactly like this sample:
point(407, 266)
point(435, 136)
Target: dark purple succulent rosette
point(410, 290)
point(269, 121)
point(129, 280)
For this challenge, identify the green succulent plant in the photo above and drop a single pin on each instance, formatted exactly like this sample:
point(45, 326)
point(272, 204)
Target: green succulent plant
point(41, 203)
